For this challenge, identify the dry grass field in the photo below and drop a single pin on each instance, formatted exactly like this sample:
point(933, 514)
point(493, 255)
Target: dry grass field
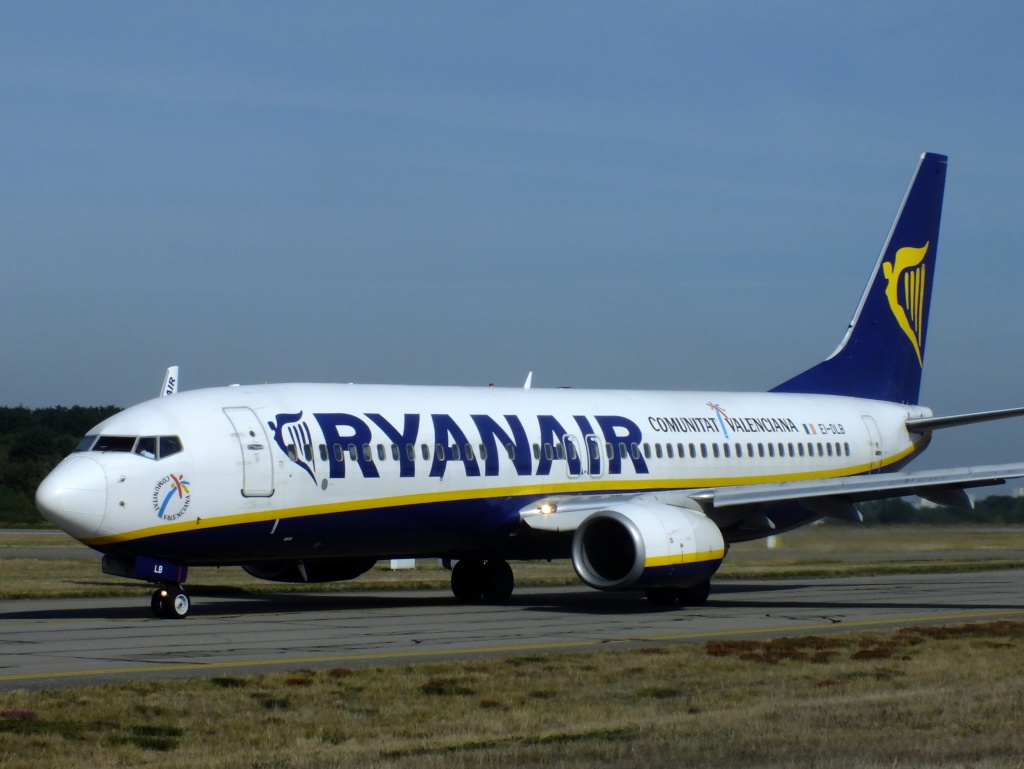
point(917, 697)
point(949, 697)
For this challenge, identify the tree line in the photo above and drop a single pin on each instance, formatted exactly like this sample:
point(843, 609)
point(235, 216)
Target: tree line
point(33, 441)
point(992, 510)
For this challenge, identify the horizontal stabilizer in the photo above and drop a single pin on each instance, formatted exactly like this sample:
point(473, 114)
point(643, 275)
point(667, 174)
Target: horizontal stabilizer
point(927, 424)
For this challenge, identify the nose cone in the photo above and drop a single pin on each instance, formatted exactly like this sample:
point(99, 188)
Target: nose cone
point(74, 496)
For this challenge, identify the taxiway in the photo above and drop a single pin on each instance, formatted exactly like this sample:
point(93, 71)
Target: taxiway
point(70, 642)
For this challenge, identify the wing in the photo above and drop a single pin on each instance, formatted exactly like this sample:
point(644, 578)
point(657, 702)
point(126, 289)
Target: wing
point(746, 511)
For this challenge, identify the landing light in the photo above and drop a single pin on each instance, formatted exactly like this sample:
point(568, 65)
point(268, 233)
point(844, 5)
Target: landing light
point(548, 508)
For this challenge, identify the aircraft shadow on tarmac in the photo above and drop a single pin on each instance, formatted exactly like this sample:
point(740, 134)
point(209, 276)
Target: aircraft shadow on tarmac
point(213, 602)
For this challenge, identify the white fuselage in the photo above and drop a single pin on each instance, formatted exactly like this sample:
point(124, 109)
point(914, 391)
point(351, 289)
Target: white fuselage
point(265, 471)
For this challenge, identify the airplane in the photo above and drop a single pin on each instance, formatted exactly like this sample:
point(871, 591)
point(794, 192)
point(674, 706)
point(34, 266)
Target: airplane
point(642, 490)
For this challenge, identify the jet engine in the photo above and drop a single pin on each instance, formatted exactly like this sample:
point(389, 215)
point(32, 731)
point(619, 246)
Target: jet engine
point(637, 545)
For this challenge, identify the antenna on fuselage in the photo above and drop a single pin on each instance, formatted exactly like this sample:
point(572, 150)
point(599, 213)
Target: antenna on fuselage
point(529, 381)
point(170, 381)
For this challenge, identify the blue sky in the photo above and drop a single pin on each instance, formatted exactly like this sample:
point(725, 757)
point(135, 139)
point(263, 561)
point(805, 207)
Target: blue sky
point(665, 195)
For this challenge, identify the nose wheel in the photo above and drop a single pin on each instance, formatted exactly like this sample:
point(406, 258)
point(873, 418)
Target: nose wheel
point(170, 602)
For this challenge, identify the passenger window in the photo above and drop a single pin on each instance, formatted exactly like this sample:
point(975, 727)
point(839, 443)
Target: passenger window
point(739, 450)
point(381, 453)
point(647, 450)
point(792, 453)
point(292, 453)
point(636, 451)
point(536, 451)
point(725, 450)
point(395, 452)
point(704, 450)
point(771, 449)
point(425, 450)
point(548, 453)
point(456, 454)
point(693, 451)
point(668, 451)
point(560, 451)
point(469, 451)
point(367, 452)
point(622, 451)
point(323, 452)
point(657, 450)
point(410, 452)
point(570, 450)
point(760, 450)
point(483, 451)
point(829, 447)
point(307, 450)
point(352, 452)
point(439, 452)
point(510, 449)
point(339, 453)
point(846, 449)
point(800, 448)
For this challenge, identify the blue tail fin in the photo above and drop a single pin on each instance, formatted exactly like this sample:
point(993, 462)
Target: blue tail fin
point(883, 351)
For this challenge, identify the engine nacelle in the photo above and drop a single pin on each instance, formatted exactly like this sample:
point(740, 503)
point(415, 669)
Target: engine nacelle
point(638, 545)
point(313, 570)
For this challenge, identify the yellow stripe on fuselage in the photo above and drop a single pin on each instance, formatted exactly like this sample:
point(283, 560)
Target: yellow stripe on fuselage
point(534, 490)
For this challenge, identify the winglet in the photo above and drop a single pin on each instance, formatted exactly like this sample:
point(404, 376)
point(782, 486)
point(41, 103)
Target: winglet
point(170, 382)
point(882, 354)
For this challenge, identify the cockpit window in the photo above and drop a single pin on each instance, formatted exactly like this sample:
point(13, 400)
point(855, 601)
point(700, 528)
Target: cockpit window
point(169, 444)
point(115, 443)
point(86, 443)
point(146, 447)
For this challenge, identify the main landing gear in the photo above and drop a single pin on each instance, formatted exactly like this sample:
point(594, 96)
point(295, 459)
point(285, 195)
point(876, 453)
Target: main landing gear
point(170, 602)
point(694, 595)
point(473, 578)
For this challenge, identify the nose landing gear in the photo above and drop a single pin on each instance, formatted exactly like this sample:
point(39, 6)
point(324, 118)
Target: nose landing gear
point(170, 602)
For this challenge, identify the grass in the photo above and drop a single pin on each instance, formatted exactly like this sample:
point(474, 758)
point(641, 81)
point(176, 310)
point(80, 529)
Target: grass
point(913, 697)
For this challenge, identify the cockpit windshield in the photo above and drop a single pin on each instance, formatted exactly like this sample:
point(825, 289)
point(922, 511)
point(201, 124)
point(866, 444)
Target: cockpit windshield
point(148, 446)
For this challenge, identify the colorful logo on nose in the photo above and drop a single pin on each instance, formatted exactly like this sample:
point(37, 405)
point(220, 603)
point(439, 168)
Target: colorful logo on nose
point(906, 274)
point(171, 497)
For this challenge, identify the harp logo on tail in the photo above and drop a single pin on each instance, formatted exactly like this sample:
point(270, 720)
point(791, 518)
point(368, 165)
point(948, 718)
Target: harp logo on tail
point(905, 291)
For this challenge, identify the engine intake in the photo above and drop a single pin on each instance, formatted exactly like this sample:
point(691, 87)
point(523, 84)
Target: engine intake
point(646, 544)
